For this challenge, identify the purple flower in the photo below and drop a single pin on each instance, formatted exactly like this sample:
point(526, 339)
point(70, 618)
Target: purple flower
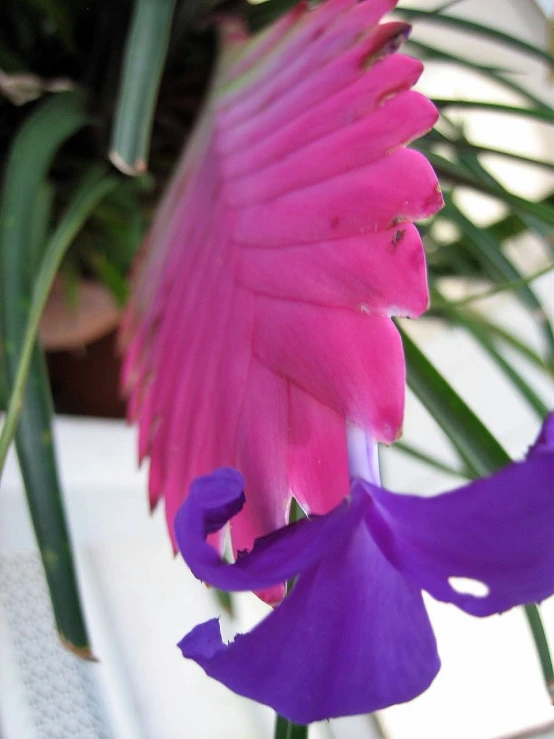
point(353, 636)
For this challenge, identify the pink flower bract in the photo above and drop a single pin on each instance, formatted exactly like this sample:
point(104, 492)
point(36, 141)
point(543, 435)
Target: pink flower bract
point(260, 319)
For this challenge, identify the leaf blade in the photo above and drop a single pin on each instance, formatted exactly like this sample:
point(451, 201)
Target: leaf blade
point(29, 161)
point(146, 50)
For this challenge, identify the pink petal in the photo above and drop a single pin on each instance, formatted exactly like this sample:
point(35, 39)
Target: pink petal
point(352, 362)
point(382, 273)
point(400, 187)
point(318, 461)
point(334, 79)
point(349, 147)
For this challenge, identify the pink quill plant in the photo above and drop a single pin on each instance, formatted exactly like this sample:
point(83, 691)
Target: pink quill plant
point(260, 324)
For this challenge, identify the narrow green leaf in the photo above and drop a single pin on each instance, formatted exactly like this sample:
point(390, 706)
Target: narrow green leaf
point(429, 460)
point(510, 339)
point(297, 731)
point(281, 728)
point(31, 154)
point(478, 29)
point(109, 275)
point(494, 329)
point(40, 225)
point(489, 253)
point(538, 633)
point(508, 227)
point(536, 216)
point(539, 114)
point(463, 145)
point(455, 173)
point(477, 447)
point(34, 443)
point(145, 54)
point(225, 600)
point(432, 53)
point(285, 729)
point(93, 189)
point(483, 337)
point(29, 160)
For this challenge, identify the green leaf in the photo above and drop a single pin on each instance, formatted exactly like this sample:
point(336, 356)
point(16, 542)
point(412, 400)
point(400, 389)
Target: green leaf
point(40, 223)
point(455, 173)
point(477, 447)
point(507, 337)
point(285, 729)
point(110, 276)
point(429, 460)
point(432, 53)
point(539, 114)
point(29, 160)
point(145, 55)
point(508, 227)
point(536, 216)
point(478, 29)
point(461, 144)
point(225, 600)
point(499, 268)
point(93, 189)
point(483, 337)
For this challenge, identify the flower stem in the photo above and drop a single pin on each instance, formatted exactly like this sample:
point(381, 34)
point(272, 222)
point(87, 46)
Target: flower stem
point(539, 637)
point(285, 729)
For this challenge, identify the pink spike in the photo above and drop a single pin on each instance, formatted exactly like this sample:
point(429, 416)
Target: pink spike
point(260, 319)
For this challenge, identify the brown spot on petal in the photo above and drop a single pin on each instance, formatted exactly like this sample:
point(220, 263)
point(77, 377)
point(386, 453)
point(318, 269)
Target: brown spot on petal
point(435, 201)
point(398, 236)
point(396, 220)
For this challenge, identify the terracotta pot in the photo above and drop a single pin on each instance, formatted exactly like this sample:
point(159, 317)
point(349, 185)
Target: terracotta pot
point(80, 341)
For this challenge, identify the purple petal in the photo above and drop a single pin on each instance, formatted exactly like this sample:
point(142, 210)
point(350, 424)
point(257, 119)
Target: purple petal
point(498, 531)
point(352, 637)
point(275, 558)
